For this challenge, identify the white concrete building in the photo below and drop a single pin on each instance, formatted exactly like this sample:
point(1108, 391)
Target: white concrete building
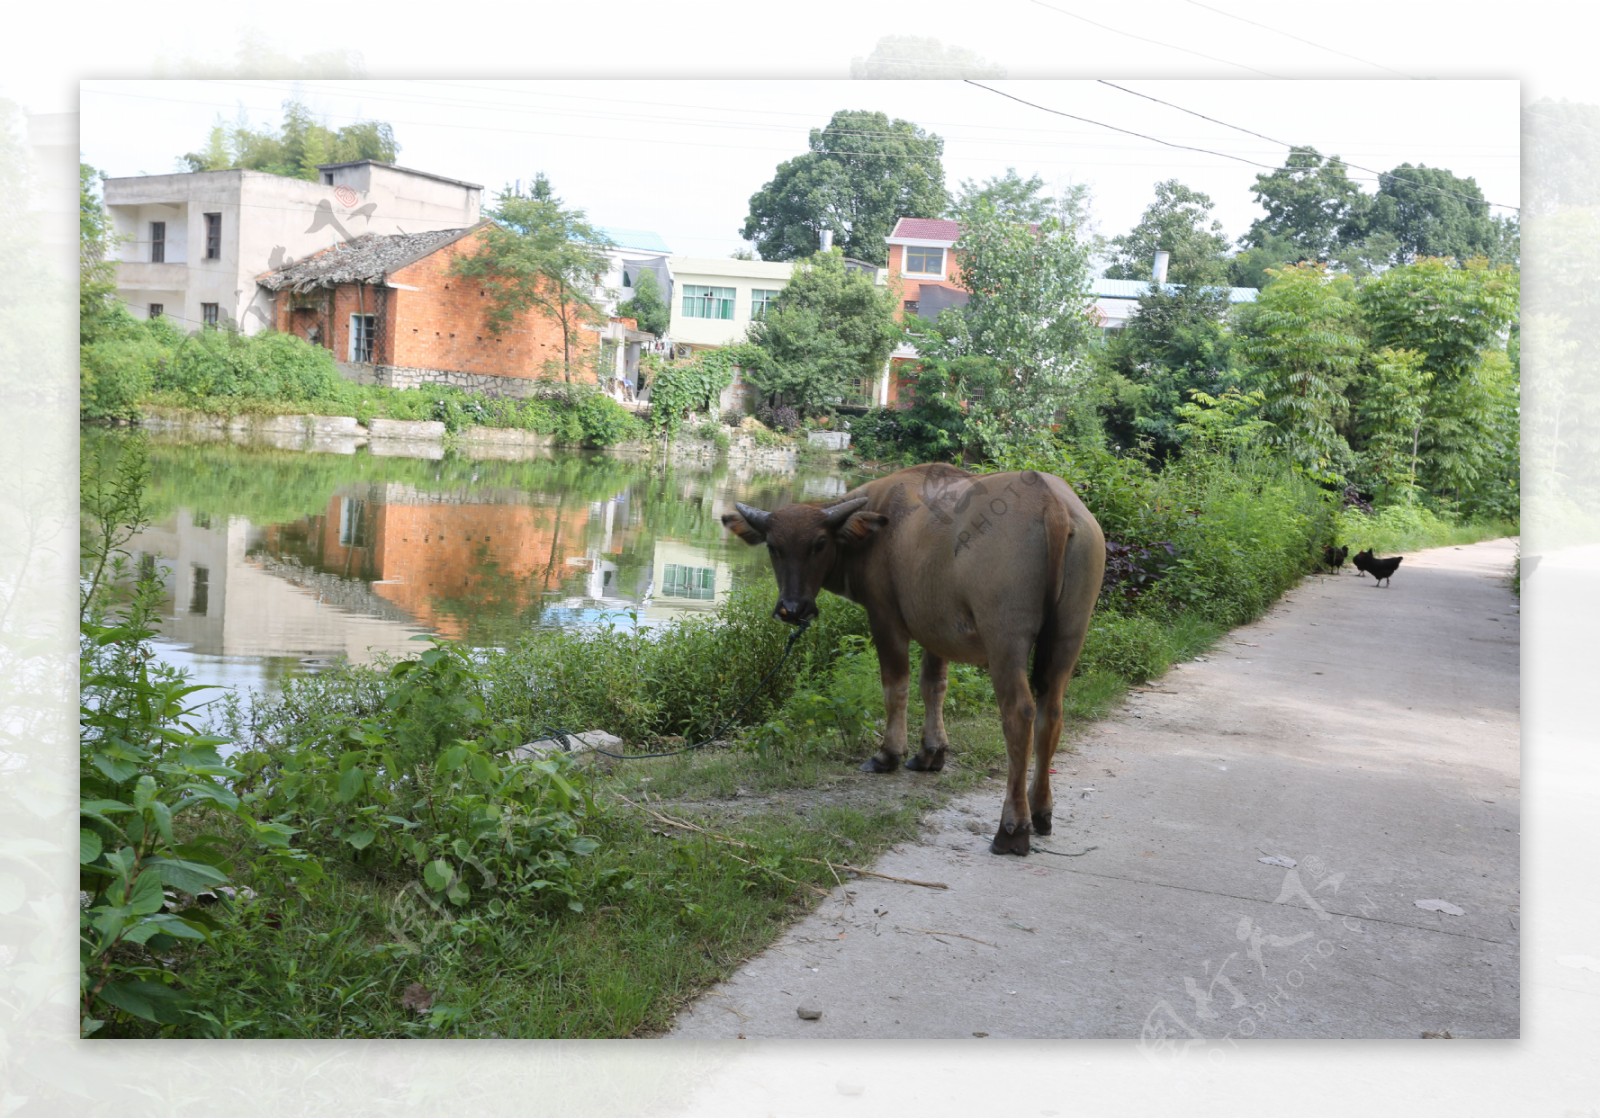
point(714, 301)
point(193, 243)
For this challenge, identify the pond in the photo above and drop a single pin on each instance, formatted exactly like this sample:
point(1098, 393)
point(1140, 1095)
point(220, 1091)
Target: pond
point(277, 563)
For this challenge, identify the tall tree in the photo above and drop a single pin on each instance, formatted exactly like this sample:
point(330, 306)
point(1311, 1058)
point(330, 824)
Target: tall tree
point(917, 56)
point(863, 172)
point(831, 326)
point(1010, 195)
point(1180, 222)
point(1310, 203)
point(1432, 212)
point(1456, 316)
point(539, 255)
point(1030, 310)
point(1302, 344)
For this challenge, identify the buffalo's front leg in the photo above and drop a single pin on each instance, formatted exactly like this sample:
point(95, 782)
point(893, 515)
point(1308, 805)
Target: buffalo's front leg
point(935, 680)
point(894, 671)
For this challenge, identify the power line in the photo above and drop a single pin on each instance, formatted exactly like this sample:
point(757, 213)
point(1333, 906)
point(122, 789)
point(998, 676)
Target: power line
point(1300, 147)
point(1153, 42)
point(1297, 38)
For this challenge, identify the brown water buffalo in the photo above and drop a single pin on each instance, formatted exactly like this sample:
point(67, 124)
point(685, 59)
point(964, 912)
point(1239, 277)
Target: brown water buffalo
point(978, 569)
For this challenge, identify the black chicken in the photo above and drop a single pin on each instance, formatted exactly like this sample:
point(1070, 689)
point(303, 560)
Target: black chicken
point(1334, 557)
point(1379, 569)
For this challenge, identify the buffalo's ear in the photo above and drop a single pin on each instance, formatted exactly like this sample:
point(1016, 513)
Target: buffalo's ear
point(743, 529)
point(860, 527)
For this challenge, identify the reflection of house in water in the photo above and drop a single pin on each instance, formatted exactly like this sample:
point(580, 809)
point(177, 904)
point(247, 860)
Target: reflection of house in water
point(685, 578)
point(225, 601)
point(444, 559)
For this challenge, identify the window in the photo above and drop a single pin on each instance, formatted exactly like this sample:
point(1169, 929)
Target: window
point(760, 300)
point(213, 236)
point(158, 242)
point(924, 261)
point(209, 314)
point(351, 521)
point(157, 310)
point(682, 581)
point(363, 329)
point(702, 302)
point(200, 594)
point(911, 306)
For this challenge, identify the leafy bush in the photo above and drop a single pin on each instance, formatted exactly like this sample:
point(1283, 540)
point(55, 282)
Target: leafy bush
point(604, 422)
point(695, 385)
point(118, 367)
point(267, 366)
point(842, 702)
point(158, 818)
point(428, 788)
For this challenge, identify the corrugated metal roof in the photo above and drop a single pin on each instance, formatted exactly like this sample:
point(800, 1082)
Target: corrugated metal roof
point(1136, 289)
point(361, 260)
point(634, 239)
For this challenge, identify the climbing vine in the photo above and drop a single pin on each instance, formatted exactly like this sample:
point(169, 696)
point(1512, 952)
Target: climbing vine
point(696, 384)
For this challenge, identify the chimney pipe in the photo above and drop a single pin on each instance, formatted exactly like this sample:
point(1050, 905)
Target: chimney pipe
point(827, 240)
point(1158, 274)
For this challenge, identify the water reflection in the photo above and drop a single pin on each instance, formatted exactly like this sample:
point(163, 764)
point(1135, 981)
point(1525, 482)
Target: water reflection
point(276, 563)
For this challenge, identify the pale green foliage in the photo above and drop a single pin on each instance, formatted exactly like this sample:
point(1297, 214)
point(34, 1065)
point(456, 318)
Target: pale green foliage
point(538, 255)
point(1030, 311)
point(1389, 421)
point(296, 149)
point(830, 327)
point(1179, 222)
point(1302, 344)
point(1455, 316)
point(647, 307)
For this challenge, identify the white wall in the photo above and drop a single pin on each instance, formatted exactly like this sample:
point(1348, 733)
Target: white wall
point(744, 276)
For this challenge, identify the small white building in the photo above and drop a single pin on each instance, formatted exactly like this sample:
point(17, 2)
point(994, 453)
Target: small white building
point(714, 301)
point(193, 243)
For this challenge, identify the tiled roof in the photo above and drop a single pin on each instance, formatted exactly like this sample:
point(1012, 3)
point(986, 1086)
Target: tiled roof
point(926, 229)
point(365, 259)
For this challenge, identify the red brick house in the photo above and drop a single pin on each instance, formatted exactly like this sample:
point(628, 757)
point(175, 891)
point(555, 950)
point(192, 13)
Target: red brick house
point(393, 313)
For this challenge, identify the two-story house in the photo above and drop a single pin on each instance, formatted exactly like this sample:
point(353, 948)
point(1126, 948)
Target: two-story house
point(925, 273)
point(192, 244)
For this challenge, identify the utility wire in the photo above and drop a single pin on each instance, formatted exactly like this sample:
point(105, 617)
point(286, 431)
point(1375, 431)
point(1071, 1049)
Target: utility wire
point(1152, 42)
point(1298, 39)
point(1301, 147)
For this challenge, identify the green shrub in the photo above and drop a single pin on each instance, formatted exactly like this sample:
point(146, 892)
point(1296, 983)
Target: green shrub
point(158, 819)
point(427, 788)
point(269, 366)
point(119, 366)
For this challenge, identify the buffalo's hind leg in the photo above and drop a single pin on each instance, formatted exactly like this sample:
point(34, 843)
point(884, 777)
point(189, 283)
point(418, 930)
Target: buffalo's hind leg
point(1017, 718)
point(935, 680)
point(1054, 659)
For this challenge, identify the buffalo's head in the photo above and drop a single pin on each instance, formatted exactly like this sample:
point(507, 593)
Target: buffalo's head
point(803, 541)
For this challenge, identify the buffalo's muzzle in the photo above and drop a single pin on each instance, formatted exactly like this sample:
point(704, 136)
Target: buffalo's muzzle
point(794, 612)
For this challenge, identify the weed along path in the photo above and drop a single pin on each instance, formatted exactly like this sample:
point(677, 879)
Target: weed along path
point(1310, 832)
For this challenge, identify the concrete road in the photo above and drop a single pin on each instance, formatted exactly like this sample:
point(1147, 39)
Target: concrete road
point(1310, 832)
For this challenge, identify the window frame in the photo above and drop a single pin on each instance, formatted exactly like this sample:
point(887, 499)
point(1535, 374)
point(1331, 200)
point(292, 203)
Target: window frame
point(761, 301)
point(213, 235)
point(158, 242)
point(705, 295)
point(210, 315)
point(363, 328)
point(923, 251)
point(156, 311)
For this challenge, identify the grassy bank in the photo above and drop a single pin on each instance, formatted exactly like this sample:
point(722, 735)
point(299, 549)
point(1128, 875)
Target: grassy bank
point(380, 860)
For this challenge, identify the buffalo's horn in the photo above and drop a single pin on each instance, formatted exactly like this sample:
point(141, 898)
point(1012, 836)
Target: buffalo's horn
point(756, 518)
point(836, 515)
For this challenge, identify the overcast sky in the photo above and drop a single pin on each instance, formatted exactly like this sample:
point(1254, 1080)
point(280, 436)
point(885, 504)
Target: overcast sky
point(682, 157)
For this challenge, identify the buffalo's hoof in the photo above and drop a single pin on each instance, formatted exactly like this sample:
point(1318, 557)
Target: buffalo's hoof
point(1042, 823)
point(927, 761)
point(878, 764)
point(1013, 842)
